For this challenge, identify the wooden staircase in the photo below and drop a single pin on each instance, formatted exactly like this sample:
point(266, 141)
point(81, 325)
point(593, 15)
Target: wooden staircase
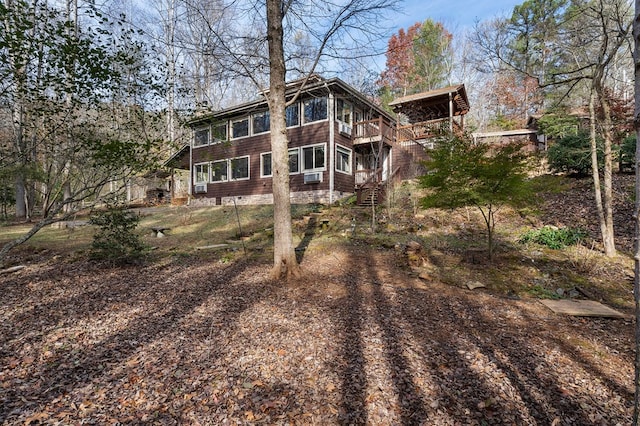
point(370, 195)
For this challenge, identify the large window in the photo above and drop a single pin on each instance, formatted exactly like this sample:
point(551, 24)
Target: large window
point(343, 159)
point(201, 172)
point(265, 164)
point(219, 171)
point(201, 137)
point(313, 157)
point(240, 128)
point(219, 132)
point(261, 122)
point(293, 115)
point(344, 111)
point(315, 109)
point(266, 168)
point(239, 168)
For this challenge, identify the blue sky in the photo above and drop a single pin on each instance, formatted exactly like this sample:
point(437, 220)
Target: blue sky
point(454, 14)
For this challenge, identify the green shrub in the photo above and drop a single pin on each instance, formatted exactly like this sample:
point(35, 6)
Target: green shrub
point(572, 154)
point(627, 154)
point(116, 239)
point(552, 237)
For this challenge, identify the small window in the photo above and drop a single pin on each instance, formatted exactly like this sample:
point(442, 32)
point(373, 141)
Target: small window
point(343, 159)
point(315, 109)
point(344, 111)
point(201, 172)
point(219, 132)
point(261, 122)
point(357, 116)
point(239, 168)
point(240, 128)
point(294, 160)
point(293, 115)
point(219, 171)
point(313, 157)
point(265, 165)
point(201, 137)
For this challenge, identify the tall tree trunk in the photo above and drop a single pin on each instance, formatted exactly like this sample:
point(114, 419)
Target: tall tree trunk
point(636, 217)
point(170, 30)
point(608, 237)
point(597, 188)
point(285, 264)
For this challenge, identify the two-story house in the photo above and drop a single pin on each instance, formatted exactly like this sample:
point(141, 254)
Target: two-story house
point(340, 143)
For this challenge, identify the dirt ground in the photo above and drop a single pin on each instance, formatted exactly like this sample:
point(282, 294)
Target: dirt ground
point(205, 340)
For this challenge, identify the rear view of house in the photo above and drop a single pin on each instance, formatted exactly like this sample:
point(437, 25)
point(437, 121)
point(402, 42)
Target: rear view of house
point(340, 143)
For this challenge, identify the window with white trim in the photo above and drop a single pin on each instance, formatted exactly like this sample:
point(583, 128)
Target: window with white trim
point(201, 172)
point(201, 137)
point(315, 109)
point(219, 171)
point(261, 122)
point(344, 111)
point(219, 133)
point(313, 157)
point(294, 160)
point(292, 113)
point(240, 128)
point(343, 159)
point(265, 164)
point(239, 168)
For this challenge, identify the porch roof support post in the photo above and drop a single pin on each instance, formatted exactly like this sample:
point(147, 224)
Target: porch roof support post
point(190, 186)
point(451, 112)
point(332, 136)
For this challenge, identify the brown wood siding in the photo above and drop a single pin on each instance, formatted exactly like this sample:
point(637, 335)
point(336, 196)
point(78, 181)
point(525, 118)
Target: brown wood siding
point(309, 134)
point(344, 182)
point(253, 146)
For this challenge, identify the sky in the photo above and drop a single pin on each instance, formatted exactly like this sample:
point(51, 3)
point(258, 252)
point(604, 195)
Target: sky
point(454, 14)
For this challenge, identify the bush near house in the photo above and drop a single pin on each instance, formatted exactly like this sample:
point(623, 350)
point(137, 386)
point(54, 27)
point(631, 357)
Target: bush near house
point(116, 239)
point(572, 154)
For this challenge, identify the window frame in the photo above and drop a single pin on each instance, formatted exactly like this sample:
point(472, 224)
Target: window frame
point(344, 150)
point(296, 152)
point(226, 175)
point(231, 169)
point(231, 126)
point(195, 136)
point(314, 100)
point(304, 169)
point(340, 111)
point(197, 173)
point(262, 164)
point(267, 123)
point(217, 138)
point(295, 105)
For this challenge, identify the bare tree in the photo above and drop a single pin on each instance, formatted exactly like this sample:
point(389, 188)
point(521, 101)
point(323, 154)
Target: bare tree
point(299, 37)
point(636, 256)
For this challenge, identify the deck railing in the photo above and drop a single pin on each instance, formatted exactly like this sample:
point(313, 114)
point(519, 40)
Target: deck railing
point(372, 130)
point(375, 130)
point(368, 175)
point(423, 130)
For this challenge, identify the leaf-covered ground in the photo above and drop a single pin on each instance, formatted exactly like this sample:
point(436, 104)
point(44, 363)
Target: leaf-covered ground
point(358, 341)
point(204, 338)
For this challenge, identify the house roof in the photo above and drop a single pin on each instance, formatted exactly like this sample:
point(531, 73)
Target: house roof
point(314, 84)
point(503, 133)
point(432, 105)
point(177, 160)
